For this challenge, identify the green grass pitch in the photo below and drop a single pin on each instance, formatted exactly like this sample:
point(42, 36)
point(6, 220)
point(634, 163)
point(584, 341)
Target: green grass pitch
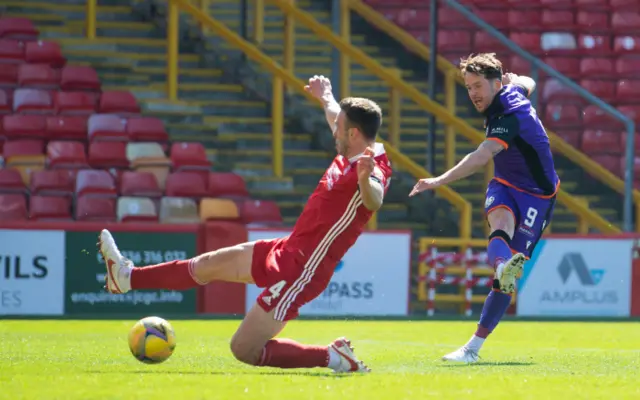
point(522, 360)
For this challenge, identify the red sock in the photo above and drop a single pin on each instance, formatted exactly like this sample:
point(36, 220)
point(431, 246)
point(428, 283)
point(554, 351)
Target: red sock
point(173, 275)
point(286, 353)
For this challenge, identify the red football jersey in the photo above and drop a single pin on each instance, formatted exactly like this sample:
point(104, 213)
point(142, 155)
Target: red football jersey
point(334, 215)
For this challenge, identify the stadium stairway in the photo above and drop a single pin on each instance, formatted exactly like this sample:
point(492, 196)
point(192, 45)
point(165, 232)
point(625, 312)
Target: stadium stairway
point(231, 121)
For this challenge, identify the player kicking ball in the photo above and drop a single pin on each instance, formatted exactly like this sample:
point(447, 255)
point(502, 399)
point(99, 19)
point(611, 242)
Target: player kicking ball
point(521, 196)
point(297, 268)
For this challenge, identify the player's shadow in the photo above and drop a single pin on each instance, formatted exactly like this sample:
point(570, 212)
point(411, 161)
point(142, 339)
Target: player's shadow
point(260, 373)
point(491, 364)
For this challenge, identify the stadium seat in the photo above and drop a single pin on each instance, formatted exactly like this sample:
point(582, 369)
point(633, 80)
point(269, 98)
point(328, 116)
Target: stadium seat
point(260, 212)
point(9, 76)
point(218, 209)
point(603, 89)
point(524, 20)
point(186, 184)
point(553, 19)
point(18, 126)
point(595, 117)
point(631, 111)
point(497, 18)
point(558, 44)
point(627, 67)
point(620, 4)
point(178, 210)
point(594, 44)
point(226, 184)
point(79, 78)
point(570, 135)
point(95, 182)
point(601, 142)
point(49, 208)
point(24, 155)
point(108, 155)
point(569, 66)
point(32, 101)
point(38, 76)
point(11, 52)
point(107, 127)
point(626, 22)
point(527, 40)
point(66, 155)
point(118, 102)
point(554, 91)
point(95, 209)
point(136, 209)
point(149, 157)
point(66, 128)
point(189, 156)
point(626, 44)
point(609, 162)
point(628, 91)
point(483, 42)
point(592, 21)
point(562, 115)
point(592, 4)
point(5, 103)
point(11, 181)
point(454, 41)
point(139, 184)
point(601, 68)
point(44, 52)
point(13, 207)
point(18, 29)
point(146, 129)
point(52, 183)
point(75, 103)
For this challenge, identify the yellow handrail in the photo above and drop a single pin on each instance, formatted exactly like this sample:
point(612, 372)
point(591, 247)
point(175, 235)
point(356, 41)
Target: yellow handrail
point(285, 77)
point(90, 25)
point(579, 209)
point(446, 67)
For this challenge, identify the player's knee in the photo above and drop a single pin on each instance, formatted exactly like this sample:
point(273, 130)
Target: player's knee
point(244, 353)
point(499, 233)
point(502, 220)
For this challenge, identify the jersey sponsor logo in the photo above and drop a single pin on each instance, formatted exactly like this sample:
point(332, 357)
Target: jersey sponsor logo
point(499, 131)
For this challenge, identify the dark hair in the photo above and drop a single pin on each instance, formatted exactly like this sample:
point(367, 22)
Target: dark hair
point(485, 64)
point(363, 114)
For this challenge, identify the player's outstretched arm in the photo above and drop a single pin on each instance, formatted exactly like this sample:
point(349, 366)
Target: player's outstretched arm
point(320, 88)
point(471, 163)
point(520, 80)
point(371, 188)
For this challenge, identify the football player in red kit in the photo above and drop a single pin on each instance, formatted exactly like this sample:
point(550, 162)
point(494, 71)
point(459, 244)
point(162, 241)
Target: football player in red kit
point(297, 268)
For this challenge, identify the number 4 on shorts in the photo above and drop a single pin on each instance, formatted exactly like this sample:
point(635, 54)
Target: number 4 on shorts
point(275, 291)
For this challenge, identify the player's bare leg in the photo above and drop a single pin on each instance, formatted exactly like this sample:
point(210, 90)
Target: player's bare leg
point(254, 344)
point(231, 264)
point(508, 268)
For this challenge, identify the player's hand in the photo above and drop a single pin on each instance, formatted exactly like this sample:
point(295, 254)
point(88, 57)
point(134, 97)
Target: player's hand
point(426, 184)
point(366, 164)
point(319, 86)
point(508, 78)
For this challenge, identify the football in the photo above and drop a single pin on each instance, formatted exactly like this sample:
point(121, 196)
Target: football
point(152, 340)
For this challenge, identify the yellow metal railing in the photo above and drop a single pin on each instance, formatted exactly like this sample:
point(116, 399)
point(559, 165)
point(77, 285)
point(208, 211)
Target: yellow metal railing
point(449, 70)
point(282, 75)
point(585, 215)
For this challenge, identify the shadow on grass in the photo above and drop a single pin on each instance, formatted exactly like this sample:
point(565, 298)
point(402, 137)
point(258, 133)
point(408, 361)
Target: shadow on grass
point(257, 372)
point(491, 364)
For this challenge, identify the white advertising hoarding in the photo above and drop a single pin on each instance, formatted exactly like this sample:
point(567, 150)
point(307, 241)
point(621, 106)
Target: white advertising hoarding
point(577, 277)
point(32, 272)
point(371, 280)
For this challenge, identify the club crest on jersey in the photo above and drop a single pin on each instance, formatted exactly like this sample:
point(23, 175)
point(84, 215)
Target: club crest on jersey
point(488, 201)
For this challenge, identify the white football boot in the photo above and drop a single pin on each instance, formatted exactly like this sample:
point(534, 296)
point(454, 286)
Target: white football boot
point(118, 268)
point(510, 271)
point(348, 360)
point(462, 355)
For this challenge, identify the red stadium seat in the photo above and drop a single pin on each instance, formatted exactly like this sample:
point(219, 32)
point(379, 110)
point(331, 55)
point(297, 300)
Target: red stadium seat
point(628, 91)
point(592, 22)
point(570, 135)
point(147, 129)
point(524, 20)
point(594, 44)
point(626, 44)
point(632, 112)
point(38, 76)
point(79, 78)
point(18, 28)
point(601, 142)
point(605, 90)
point(592, 4)
point(186, 184)
point(108, 155)
point(95, 182)
point(553, 90)
point(483, 41)
point(260, 212)
point(11, 181)
point(49, 208)
point(32, 101)
point(18, 126)
point(596, 118)
point(13, 207)
point(626, 22)
point(619, 4)
point(52, 183)
point(23, 147)
point(9, 75)
point(528, 41)
point(11, 51)
point(517, 65)
point(609, 162)
point(107, 127)
point(142, 184)
point(66, 155)
point(623, 143)
point(627, 67)
point(66, 128)
point(5, 102)
point(75, 103)
point(569, 66)
point(497, 18)
point(452, 19)
point(556, 3)
point(44, 52)
point(189, 156)
point(227, 185)
point(451, 41)
point(601, 68)
point(90, 208)
point(557, 20)
point(118, 102)
point(559, 115)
